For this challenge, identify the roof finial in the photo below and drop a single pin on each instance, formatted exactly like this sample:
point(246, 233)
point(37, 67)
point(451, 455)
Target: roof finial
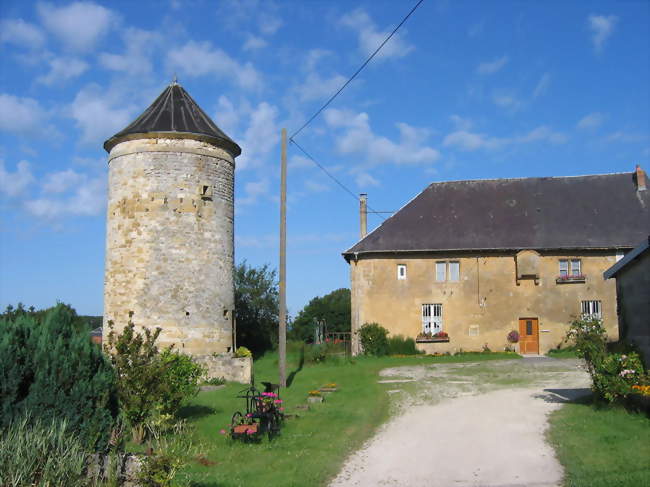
point(175, 79)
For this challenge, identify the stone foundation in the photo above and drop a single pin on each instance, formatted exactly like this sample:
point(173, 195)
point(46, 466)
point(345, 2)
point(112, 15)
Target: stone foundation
point(232, 369)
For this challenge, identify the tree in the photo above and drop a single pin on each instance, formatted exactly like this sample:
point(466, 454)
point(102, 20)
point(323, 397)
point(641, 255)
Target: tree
point(333, 308)
point(256, 307)
point(50, 370)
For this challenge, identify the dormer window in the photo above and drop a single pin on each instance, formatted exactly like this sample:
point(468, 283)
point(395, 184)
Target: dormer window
point(401, 272)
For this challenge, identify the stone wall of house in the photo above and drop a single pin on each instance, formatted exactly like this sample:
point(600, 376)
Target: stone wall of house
point(486, 302)
point(633, 283)
point(169, 242)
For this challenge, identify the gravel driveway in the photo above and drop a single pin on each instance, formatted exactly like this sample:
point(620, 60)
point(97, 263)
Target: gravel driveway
point(471, 424)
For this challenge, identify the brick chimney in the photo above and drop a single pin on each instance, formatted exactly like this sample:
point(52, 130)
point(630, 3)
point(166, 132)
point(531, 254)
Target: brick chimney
point(639, 177)
point(363, 214)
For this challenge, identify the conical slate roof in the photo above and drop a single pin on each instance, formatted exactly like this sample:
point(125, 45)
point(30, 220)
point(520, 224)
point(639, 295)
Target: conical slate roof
point(175, 113)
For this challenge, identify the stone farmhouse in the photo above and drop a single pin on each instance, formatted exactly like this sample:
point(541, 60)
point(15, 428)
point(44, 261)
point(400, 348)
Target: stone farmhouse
point(474, 260)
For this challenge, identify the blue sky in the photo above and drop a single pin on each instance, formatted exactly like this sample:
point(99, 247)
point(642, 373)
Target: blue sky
point(466, 90)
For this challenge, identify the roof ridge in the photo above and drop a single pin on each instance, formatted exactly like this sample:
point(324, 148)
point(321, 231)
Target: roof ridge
point(530, 177)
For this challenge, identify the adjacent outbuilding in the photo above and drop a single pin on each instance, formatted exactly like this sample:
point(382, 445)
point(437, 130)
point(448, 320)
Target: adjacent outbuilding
point(632, 274)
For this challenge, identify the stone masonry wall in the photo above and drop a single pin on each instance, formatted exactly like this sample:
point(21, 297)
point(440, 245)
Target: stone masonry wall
point(169, 242)
point(485, 303)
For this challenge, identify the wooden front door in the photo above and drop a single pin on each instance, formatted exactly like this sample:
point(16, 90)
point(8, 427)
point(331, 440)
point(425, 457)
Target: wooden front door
point(528, 335)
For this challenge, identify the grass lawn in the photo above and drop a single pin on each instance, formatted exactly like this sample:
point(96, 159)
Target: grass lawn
point(608, 447)
point(562, 353)
point(312, 447)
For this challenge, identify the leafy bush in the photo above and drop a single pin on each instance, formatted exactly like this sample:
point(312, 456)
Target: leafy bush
point(179, 381)
point(243, 352)
point(151, 386)
point(374, 339)
point(615, 376)
point(398, 345)
point(612, 374)
point(51, 370)
point(39, 452)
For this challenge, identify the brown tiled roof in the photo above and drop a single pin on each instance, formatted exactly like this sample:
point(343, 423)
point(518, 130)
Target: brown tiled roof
point(175, 112)
point(591, 212)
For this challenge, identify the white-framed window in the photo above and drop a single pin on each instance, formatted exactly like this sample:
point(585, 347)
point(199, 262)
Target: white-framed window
point(441, 271)
point(432, 318)
point(575, 267)
point(592, 309)
point(570, 267)
point(454, 271)
point(448, 271)
point(401, 271)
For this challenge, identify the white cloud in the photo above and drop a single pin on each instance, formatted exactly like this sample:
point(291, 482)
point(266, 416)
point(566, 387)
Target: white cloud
point(98, 115)
point(23, 116)
point(79, 25)
point(253, 43)
point(21, 33)
point(365, 180)
point(60, 182)
point(136, 59)
point(601, 27)
point(260, 137)
point(315, 186)
point(471, 141)
point(88, 198)
point(13, 184)
point(623, 136)
point(509, 102)
point(253, 191)
point(370, 37)
point(315, 87)
point(268, 23)
point(358, 137)
point(591, 121)
point(492, 66)
point(460, 122)
point(542, 85)
point(227, 116)
point(299, 162)
point(63, 69)
point(196, 59)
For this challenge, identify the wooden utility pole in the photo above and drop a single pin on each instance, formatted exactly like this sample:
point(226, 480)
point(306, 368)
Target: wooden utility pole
point(282, 332)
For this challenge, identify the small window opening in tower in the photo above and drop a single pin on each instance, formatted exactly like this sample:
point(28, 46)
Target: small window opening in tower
point(225, 313)
point(187, 313)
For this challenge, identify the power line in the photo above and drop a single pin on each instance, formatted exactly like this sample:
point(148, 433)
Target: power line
point(356, 72)
point(333, 178)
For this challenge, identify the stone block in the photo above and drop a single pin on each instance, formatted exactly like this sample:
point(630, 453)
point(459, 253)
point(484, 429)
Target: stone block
point(233, 369)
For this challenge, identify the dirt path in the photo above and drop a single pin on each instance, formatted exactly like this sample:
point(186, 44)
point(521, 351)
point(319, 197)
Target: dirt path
point(478, 424)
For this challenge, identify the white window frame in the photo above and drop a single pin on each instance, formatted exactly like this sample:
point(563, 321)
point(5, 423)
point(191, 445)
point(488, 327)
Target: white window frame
point(564, 267)
point(575, 267)
point(432, 318)
point(401, 272)
point(441, 270)
point(455, 264)
point(591, 308)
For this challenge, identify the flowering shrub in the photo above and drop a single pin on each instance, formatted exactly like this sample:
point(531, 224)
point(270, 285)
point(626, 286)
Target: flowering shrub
point(574, 277)
point(315, 393)
point(612, 374)
point(643, 390)
point(513, 336)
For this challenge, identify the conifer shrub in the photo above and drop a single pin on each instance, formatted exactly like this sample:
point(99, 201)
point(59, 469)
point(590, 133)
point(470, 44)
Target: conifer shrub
point(374, 339)
point(51, 370)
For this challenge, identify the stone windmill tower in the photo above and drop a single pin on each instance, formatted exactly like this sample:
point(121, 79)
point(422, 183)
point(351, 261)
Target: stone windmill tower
point(169, 239)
